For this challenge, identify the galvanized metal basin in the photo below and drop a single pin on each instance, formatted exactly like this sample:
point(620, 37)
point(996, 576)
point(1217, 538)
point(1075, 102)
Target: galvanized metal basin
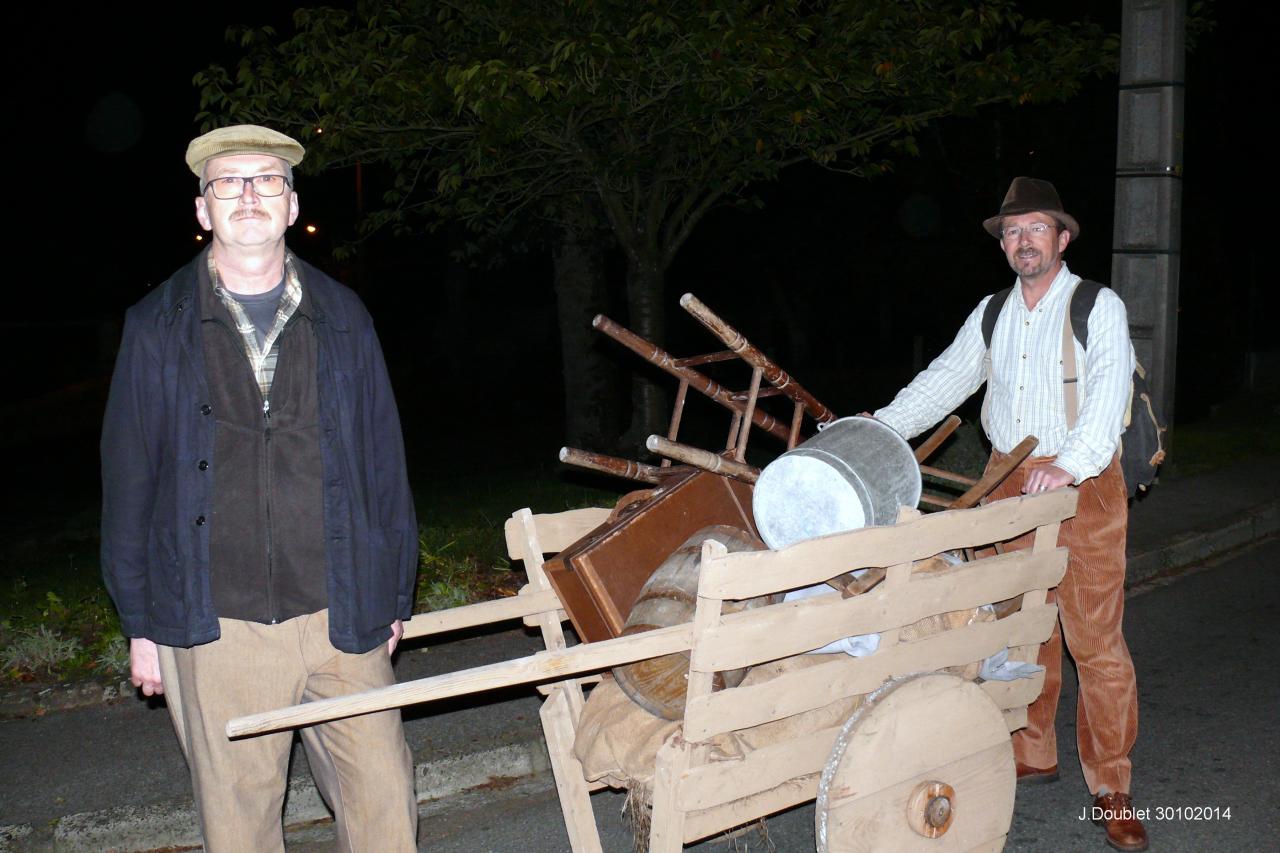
point(855, 473)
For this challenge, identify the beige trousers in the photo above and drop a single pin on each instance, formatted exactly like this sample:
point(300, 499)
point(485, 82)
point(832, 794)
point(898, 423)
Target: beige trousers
point(361, 765)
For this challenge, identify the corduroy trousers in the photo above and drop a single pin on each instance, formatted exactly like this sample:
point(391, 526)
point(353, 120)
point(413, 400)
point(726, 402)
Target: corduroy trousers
point(361, 765)
point(1090, 616)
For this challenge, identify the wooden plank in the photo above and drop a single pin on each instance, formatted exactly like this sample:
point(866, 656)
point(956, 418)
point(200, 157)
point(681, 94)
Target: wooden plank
point(816, 686)
point(720, 782)
point(549, 624)
point(542, 666)
point(533, 622)
point(706, 615)
point(455, 618)
point(793, 627)
point(586, 680)
point(556, 531)
point(1015, 718)
point(571, 786)
point(666, 829)
point(700, 824)
point(751, 574)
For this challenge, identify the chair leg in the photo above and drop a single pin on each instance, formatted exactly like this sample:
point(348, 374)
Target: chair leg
point(575, 797)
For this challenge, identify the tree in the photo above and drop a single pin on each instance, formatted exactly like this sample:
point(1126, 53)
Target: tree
point(633, 117)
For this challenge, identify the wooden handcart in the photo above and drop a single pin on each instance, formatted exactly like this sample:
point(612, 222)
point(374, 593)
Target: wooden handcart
point(925, 763)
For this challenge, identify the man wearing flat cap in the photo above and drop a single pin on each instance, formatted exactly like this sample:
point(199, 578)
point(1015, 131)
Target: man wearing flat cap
point(1021, 358)
point(258, 532)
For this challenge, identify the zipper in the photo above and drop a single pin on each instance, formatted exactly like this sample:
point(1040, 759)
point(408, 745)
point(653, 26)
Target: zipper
point(266, 445)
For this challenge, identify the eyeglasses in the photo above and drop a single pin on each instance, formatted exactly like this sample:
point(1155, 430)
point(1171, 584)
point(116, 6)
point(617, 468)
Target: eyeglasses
point(1035, 229)
point(232, 186)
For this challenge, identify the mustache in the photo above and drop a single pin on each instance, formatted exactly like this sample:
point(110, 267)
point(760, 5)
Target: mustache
point(248, 213)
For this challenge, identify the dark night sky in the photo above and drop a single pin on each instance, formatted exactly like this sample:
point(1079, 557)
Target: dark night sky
point(96, 95)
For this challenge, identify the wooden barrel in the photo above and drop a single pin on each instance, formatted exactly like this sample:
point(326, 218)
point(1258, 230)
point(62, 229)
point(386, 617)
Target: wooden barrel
point(669, 597)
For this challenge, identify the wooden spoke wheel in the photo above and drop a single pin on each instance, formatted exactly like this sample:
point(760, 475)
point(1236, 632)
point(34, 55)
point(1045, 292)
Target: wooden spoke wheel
point(925, 764)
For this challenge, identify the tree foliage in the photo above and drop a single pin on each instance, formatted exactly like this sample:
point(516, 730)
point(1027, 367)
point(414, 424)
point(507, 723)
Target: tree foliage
point(492, 110)
point(632, 116)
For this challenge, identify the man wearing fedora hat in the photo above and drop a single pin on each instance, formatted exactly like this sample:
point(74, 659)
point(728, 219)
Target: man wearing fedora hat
point(1023, 369)
point(258, 533)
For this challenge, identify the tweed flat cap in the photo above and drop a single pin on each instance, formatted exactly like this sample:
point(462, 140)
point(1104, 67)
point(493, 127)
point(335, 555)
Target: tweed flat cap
point(242, 139)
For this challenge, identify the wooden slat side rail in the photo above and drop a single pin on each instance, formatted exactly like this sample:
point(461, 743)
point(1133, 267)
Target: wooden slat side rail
point(816, 686)
point(455, 618)
point(542, 666)
point(548, 689)
point(751, 574)
point(720, 782)
point(558, 727)
point(556, 531)
point(769, 633)
point(706, 822)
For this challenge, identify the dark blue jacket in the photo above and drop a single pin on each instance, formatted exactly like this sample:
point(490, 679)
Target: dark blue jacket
point(156, 494)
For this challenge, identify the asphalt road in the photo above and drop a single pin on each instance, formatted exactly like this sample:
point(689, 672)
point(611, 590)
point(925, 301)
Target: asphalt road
point(1205, 764)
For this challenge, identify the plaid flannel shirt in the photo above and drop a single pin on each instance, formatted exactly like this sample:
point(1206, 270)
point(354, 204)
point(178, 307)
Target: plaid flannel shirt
point(262, 358)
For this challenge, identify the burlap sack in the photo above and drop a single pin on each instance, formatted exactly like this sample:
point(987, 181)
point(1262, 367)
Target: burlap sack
point(617, 740)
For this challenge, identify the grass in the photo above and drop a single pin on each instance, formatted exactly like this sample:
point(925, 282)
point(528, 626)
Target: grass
point(59, 623)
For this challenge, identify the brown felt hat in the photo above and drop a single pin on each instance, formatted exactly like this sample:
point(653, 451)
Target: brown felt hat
point(242, 139)
point(1032, 195)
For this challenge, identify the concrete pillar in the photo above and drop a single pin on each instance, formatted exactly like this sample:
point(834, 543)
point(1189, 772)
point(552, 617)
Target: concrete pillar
point(1146, 245)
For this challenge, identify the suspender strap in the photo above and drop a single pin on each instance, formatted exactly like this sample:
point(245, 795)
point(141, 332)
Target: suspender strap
point(1070, 377)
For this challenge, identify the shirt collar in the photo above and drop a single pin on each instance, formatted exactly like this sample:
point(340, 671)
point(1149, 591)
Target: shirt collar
point(1064, 281)
point(295, 295)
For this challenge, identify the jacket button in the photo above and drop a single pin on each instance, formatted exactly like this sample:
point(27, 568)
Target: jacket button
point(199, 521)
point(206, 409)
point(203, 465)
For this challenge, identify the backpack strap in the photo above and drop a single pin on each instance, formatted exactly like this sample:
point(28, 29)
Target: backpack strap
point(992, 313)
point(989, 316)
point(1082, 301)
point(1076, 324)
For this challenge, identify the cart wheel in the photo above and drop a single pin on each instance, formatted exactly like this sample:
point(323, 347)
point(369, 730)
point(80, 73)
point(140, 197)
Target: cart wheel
point(924, 764)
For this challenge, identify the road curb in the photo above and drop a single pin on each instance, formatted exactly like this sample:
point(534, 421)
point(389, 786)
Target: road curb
point(169, 826)
point(1185, 549)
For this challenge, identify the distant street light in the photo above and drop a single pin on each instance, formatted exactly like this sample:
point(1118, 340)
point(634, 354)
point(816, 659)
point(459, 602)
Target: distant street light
point(199, 238)
point(311, 229)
